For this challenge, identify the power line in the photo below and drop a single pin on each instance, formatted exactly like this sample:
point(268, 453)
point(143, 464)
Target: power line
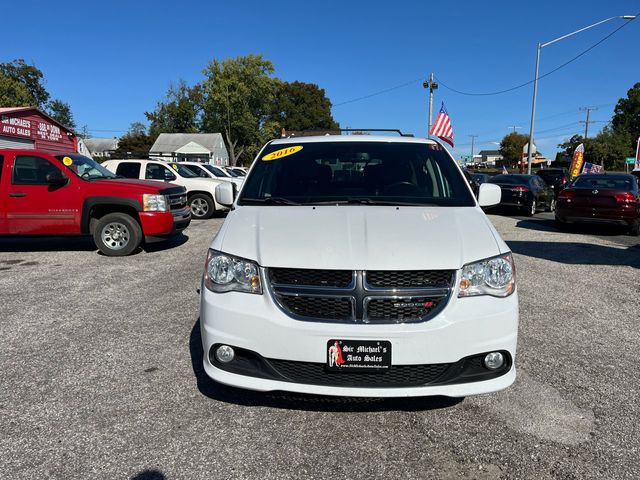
point(380, 92)
point(541, 76)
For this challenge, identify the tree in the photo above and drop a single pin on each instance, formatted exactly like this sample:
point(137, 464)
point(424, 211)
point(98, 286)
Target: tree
point(626, 117)
point(29, 76)
point(61, 111)
point(14, 93)
point(179, 112)
point(136, 143)
point(238, 100)
point(609, 148)
point(302, 106)
point(511, 147)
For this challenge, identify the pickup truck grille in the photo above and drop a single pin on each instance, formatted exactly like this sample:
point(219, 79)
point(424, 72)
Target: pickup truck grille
point(176, 196)
point(347, 296)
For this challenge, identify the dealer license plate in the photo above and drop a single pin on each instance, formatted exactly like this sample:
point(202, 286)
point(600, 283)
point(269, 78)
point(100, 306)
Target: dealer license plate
point(358, 355)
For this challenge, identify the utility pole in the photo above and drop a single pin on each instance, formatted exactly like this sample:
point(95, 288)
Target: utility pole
point(473, 138)
point(431, 85)
point(514, 127)
point(586, 122)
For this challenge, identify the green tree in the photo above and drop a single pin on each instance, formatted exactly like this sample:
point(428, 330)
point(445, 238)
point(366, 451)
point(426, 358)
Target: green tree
point(179, 112)
point(238, 101)
point(61, 111)
point(608, 148)
point(511, 147)
point(13, 93)
point(136, 143)
point(29, 76)
point(302, 106)
point(626, 116)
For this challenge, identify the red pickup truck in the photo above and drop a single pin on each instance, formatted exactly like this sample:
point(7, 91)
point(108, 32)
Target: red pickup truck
point(70, 194)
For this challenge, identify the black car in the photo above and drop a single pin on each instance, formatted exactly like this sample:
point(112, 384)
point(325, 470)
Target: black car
point(556, 178)
point(526, 192)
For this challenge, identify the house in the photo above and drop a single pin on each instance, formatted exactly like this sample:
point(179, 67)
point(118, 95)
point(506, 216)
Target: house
point(193, 147)
point(101, 147)
point(490, 157)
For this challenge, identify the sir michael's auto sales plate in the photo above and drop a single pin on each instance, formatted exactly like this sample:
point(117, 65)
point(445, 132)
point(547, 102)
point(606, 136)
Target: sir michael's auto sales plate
point(358, 355)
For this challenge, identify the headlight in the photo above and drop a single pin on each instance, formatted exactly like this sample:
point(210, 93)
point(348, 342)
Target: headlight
point(226, 273)
point(154, 203)
point(494, 276)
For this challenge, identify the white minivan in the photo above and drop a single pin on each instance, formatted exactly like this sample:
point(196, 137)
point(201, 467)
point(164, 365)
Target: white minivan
point(359, 266)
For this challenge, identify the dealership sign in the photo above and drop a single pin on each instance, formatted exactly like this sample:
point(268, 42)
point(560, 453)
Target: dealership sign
point(29, 128)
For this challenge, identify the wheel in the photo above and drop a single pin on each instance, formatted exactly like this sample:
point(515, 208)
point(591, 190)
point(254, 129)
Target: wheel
point(634, 230)
point(531, 211)
point(552, 205)
point(117, 234)
point(202, 206)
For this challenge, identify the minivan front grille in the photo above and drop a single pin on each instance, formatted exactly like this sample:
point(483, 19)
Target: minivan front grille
point(347, 296)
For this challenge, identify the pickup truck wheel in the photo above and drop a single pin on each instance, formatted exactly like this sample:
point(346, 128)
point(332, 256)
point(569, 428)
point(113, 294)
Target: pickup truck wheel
point(202, 206)
point(117, 234)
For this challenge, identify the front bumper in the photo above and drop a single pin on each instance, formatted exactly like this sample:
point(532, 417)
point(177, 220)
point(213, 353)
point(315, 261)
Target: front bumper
point(466, 327)
point(158, 226)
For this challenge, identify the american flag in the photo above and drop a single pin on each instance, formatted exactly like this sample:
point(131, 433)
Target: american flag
point(442, 128)
point(592, 168)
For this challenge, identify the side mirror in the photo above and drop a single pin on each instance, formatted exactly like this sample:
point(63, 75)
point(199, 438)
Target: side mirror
point(55, 178)
point(489, 195)
point(168, 176)
point(224, 194)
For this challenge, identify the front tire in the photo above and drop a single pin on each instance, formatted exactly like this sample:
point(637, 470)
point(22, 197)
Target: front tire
point(202, 206)
point(634, 230)
point(117, 234)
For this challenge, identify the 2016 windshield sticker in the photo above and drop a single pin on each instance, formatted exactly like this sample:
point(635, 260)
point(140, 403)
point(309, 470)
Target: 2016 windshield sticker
point(282, 153)
point(67, 161)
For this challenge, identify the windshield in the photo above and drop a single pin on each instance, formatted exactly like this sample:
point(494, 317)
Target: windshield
point(216, 171)
point(183, 171)
point(617, 182)
point(231, 173)
point(239, 172)
point(85, 167)
point(388, 173)
point(510, 179)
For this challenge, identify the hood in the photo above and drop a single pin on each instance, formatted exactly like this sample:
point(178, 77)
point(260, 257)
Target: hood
point(357, 237)
point(143, 186)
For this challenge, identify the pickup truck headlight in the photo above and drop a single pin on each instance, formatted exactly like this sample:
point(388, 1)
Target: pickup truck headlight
point(226, 273)
point(154, 203)
point(495, 276)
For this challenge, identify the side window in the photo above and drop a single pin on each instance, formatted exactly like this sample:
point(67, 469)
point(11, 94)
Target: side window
point(158, 172)
point(128, 170)
point(31, 170)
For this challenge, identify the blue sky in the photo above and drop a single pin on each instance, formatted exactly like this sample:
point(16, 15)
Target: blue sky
point(113, 60)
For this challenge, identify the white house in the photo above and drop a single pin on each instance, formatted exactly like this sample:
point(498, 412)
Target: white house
point(193, 147)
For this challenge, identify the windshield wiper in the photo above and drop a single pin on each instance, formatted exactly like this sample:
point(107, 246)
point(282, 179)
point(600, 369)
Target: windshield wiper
point(270, 201)
point(370, 201)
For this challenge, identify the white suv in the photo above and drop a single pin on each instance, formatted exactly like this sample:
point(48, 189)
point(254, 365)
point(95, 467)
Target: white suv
point(359, 266)
point(212, 171)
point(200, 191)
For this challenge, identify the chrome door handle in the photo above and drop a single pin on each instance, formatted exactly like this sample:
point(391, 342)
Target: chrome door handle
point(17, 194)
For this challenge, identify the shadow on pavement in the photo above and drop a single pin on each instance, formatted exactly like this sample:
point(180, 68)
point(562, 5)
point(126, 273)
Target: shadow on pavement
point(574, 253)
point(149, 475)
point(548, 225)
point(298, 401)
point(76, 244)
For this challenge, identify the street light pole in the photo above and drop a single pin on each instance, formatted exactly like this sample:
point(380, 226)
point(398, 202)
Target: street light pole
point(535, 79)
point(431, 85)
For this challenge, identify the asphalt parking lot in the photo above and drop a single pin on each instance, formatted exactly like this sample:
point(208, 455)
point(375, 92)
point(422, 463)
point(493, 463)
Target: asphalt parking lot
point(101, 376)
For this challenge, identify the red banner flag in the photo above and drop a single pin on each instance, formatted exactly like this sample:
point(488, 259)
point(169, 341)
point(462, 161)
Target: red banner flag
point(578, 160)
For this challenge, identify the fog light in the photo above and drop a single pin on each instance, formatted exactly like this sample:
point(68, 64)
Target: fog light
point(224, 354)
point(493, 360)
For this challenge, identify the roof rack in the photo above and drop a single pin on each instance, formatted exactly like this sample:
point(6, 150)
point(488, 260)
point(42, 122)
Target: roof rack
point(338, 131)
